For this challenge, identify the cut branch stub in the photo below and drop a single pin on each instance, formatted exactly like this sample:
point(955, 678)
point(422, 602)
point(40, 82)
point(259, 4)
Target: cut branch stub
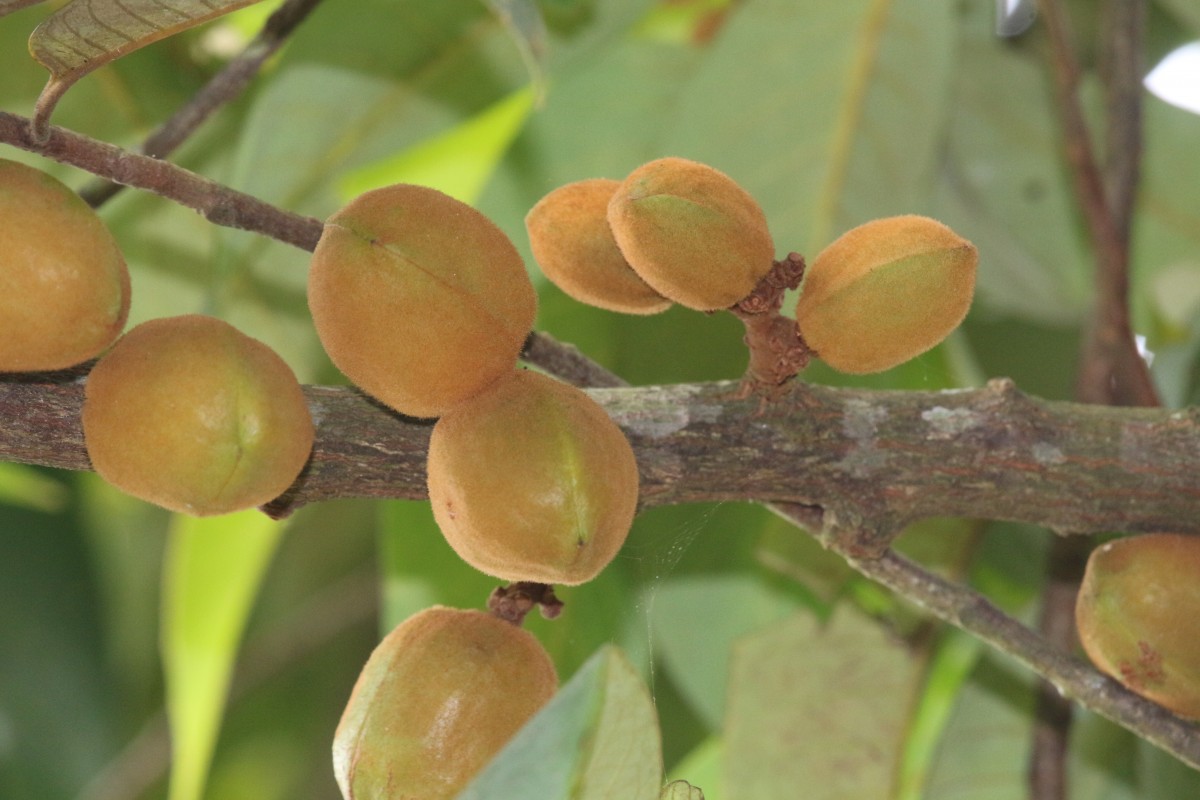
point(777, 351)
point(86, 34)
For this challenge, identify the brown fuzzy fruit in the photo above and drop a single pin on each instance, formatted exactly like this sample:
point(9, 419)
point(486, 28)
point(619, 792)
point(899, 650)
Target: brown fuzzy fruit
point(886, 292)
point(439, 697)
point(195, 416)
point(64, 287)
point(691, 232)
point(1136, 613)
point(569, 234)
point(418, 298)
point(532, 481)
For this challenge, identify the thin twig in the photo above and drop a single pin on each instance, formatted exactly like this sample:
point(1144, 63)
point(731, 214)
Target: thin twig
point(230, 208)
point(217, 203)
point(972, 612)
point(220, 90)
point(1111, 371)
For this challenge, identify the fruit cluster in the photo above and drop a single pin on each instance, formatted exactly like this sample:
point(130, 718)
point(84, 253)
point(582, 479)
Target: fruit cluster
point(425, 305)
point(186, 412)
point(675, 231)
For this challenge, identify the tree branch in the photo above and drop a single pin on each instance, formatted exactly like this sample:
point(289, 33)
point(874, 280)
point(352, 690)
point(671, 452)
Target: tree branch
point(216, 203)
point(1112, 371)
point(972, 612)
point(890, 457)
point(222, 88)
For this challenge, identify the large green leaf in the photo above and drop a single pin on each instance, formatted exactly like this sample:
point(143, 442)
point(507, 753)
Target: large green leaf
point(213, 570)
point(725, 607)
point(86, 34)
point(597, 739)
point(459, 161)
point(28, 487)
point(835, 120)
point(985, 748)
point(818, 710)
point(1004, 184)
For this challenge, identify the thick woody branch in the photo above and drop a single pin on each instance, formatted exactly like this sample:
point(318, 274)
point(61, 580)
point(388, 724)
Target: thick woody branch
point(886, 458)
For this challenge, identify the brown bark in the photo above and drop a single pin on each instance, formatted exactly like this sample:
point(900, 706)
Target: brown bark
point(886, 457)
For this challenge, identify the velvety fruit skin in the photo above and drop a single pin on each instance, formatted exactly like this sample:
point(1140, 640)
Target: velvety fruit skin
point(64, 287)
point(439, 697)
point(418, 298)
point(532, 481)
point(885, 292)
point(691, 232)
point(191, 414)
point(1137, 613)
point(569, 234)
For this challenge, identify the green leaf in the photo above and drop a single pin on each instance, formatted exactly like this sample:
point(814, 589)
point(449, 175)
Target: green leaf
point(458, 162)
point(725, 607)
point(86, 34)
point(836, 119)
point(818, 710)
point(213, 569)
point(597, 739)
point(26, 487)
point(985, 748)
point(1004, 185)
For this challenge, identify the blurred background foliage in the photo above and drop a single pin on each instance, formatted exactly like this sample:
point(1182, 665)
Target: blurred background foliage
point(775, 671)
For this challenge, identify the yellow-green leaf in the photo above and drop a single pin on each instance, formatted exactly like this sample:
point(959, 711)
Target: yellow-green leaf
point(214, 566)
point(597, 739)
point(86, 34)
point(458, 162)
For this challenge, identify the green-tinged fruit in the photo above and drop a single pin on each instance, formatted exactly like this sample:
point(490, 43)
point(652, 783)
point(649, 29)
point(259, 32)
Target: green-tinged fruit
point(195, 416)
point(418, 298)
point(532, 481)
point(437, 699)
point(572, 243)
point(1136, 613)
point(886, 292)
point(691, 232)
point(64, 286)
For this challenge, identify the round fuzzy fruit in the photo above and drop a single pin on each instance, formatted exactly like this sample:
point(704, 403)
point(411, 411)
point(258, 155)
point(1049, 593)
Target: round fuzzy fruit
point(439, 697)
point(532, 481)
point(418, 298)
point(571, 240)
point(1136, 613)
point(64, 287)
point(691, 232)
point(195, 416)
point(885, 292)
